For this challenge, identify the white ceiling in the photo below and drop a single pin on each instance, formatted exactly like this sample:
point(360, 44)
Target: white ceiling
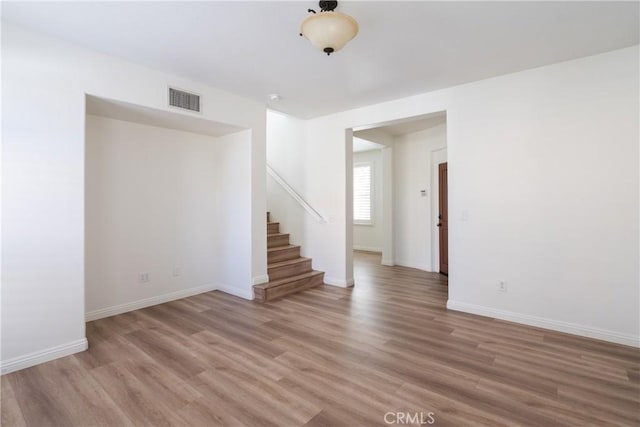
point(411, 126)
point(403, 48)
point(385, 133)
point(160, 118)
point(360, 145)
point(365, 138)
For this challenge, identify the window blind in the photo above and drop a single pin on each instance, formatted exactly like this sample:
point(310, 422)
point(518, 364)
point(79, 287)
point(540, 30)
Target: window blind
point(362, 193)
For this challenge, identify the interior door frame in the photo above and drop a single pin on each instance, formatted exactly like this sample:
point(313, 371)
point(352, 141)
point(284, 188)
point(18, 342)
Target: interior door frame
point(437, 156)
point(443, 225)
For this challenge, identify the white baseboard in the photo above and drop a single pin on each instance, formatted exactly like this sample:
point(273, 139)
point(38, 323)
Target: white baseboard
point(236, 291)
point(42, 356)
point(541, 322)
point(147, 302)
point(342, 283)
point(388, 262)
point(259, 280)
point(366, 249)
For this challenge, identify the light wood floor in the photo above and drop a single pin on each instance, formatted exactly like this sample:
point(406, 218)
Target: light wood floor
point(326, 357)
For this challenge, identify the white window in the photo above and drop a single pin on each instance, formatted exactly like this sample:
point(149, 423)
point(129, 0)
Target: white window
point(362, 193)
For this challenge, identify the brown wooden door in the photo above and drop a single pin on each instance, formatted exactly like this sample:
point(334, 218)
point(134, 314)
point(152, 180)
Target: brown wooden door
point(443, 218)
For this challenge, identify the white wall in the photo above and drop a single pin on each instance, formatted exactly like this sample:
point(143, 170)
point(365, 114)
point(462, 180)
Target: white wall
point(547, 173)
point(545, 164)
point(388, 252)
point(285, 149)
point(413, 216)
point(157, 200)
point(369, 237)
point(44, 83)
point(232, 256)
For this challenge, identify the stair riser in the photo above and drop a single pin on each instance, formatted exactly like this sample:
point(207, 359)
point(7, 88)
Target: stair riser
point(258, 294)
point(275, 241)
point(283, 255)
point(270, 294)
point(289, 270)
point(273, 228)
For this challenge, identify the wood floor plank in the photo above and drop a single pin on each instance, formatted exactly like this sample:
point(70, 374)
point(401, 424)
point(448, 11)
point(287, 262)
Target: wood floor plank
point(266, 400)
point(138, 401)
point(339, 415)
point(327, 356)
point(208, 411)
point(622, 411)
point(114, 349)
point(354, 387)
point(174, 392)
point(217, 351)
point(167, 349)
point(38, 399)
point(86, 401)
point(333, 399)
point(10, 412)
point(568, 362)
point(564, 412)
point(450, 411)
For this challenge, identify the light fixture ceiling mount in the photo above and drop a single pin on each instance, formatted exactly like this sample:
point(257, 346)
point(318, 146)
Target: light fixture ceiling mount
point(328, 30)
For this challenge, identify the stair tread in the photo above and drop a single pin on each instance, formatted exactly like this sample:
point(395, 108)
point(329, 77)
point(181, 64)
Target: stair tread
point(281, 248)
point(284, 280)
point(277, 234)
point(287, 262)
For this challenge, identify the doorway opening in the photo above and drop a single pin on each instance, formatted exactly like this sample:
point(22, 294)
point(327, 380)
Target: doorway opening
point(396, 180)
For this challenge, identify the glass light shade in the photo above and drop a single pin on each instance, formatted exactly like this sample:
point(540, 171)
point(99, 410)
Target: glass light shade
point(329, 30)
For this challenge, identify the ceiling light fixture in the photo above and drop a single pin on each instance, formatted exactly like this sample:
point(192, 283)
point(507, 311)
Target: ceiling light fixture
point(328, 30)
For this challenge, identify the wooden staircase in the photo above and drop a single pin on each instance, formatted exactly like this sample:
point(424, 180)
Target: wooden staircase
point(288, 271)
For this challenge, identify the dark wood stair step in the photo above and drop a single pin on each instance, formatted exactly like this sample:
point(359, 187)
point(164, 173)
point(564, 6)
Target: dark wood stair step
point(288, 268)
point(278, 288)
point(280, 282)
point(278, 239)
point(273, 227)
point(282, 253)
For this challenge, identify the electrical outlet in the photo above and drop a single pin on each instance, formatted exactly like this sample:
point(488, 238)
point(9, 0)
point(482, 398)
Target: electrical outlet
point(143, 277)
point(176, 272)
point(502, 286)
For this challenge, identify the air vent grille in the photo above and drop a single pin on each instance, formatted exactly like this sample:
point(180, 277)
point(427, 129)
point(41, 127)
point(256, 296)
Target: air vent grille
point(185, 100)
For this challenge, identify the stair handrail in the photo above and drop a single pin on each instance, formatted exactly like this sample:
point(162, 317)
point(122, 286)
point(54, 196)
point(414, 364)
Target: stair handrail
point(294, 194)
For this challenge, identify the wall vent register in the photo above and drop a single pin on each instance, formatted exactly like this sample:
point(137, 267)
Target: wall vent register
point(185, 100)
